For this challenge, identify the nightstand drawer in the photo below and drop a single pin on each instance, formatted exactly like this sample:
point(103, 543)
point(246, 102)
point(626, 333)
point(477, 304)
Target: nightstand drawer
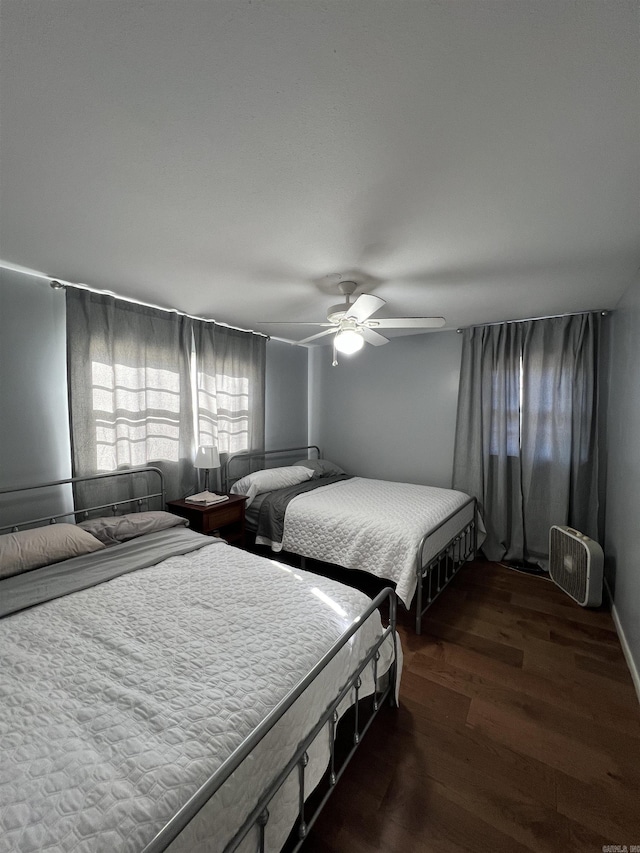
point(221, 517)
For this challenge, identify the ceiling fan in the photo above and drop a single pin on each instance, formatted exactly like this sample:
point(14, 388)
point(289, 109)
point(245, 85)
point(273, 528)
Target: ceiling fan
point(352, 325)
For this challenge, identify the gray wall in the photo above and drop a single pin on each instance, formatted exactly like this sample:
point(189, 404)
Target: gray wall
point(622, 537)
point(389, 412)
point(285, 396)
point(34, 426)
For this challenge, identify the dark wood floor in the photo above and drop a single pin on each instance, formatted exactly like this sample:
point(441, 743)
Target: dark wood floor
point(519, 730)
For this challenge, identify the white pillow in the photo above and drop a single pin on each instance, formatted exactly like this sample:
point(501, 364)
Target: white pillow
point(269, 479)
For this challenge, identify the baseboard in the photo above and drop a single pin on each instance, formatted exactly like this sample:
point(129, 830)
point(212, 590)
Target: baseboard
point(633, 668)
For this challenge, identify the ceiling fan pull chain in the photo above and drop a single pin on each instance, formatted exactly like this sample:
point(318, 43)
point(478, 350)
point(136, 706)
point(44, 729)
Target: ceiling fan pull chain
point(334, 363)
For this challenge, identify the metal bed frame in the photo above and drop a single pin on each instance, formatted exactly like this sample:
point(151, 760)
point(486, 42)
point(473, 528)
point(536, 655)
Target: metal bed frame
point(433, 576)
point(250, 457)
point(139, 500)
point(259, 815)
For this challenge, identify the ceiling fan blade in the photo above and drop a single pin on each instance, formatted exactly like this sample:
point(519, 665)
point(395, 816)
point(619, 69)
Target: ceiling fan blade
point(364, 306)
point(372, 337)
point(293, 323)
point(330, 331)
point(407, 323)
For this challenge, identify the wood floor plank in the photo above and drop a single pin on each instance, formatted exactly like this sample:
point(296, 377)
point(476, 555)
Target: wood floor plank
point(556, 656)
point(478, 634)
point(582, 837)
point(613, 670)
point(588, 648)
point(353, 824)
point(427, 814)
point(487, 641)
point(565, 608)
point(516, 815)
point(503, 623)
point(472, 593)
point(519, 730)
point(497, 622)
point(599, 685)
point(433, 750)
point(484, 791)
point(622, 747)
point(593, 806)
point(495, 577)
point(509, 613)
point(469, 673)
point(436, 702)
point(573, 754)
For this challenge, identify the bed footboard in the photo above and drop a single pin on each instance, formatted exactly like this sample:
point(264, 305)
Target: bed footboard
point(434, 575)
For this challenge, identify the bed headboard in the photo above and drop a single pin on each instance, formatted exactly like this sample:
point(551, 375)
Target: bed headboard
point(246, 461)
point(152, 490)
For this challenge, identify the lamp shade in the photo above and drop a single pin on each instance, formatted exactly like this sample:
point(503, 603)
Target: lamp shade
point(349, 341)
point(207, 457)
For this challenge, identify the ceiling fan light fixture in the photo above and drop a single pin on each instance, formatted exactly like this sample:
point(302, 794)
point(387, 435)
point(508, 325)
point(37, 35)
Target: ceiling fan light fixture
point(349, 341)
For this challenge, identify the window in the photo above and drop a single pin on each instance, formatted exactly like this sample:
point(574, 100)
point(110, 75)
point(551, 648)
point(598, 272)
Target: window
point(223, 412)
point(147, 386)
point(539, 403)
point(136, 414)
point(230, 371)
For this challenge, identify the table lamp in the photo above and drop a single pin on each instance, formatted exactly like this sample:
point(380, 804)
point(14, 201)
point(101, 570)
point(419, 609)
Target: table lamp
point(207, 457)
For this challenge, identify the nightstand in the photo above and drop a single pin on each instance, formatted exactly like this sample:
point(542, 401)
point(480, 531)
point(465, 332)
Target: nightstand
point(225, 519)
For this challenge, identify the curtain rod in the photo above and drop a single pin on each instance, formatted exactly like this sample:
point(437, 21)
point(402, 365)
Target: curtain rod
point(602, 311)
point(61, 284)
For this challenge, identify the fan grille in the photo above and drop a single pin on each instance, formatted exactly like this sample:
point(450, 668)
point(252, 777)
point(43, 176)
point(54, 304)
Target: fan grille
point(576, 564)
point(568, 564)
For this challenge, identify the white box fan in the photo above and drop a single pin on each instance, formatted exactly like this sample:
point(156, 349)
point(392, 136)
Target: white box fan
point(576, 565)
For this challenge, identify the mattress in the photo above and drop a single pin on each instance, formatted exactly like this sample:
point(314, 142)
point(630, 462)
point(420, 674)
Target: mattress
point(375, 526)
point(119, 701)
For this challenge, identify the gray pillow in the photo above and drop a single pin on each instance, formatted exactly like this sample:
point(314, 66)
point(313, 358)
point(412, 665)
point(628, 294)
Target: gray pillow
point(120, 528)
point(31, 549)
point(321, 467)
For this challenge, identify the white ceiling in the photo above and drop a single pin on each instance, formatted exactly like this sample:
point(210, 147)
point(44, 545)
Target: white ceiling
point(472, 159)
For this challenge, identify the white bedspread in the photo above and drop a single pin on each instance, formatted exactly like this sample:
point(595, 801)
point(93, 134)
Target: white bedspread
point(373, 525)
point(118, 702)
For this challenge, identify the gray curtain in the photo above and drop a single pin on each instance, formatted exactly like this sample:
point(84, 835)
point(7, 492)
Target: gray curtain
point(130, 398)
point(527, 431)
point(230, 387)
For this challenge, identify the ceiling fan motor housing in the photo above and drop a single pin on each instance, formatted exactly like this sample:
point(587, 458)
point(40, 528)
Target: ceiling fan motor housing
point(337, 312)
